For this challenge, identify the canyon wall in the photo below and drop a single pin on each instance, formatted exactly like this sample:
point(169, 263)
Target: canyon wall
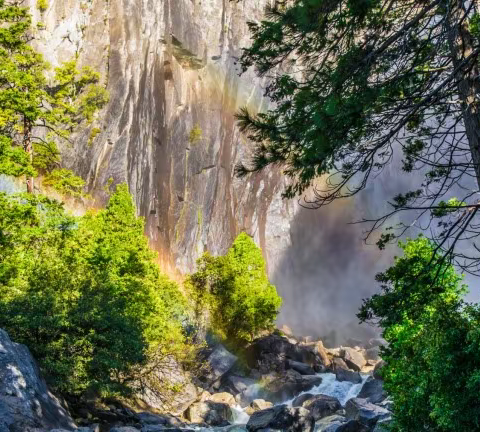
point(169, 128)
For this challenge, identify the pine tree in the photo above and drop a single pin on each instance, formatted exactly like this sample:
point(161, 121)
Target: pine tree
point(34, 112)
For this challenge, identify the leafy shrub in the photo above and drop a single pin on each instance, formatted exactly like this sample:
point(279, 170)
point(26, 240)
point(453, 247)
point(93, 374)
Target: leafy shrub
point(432, 366)
point(236, 291)
point(42, 5)
point(85, 294)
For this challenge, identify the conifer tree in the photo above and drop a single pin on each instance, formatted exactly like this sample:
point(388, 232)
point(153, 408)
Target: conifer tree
point(35, 112)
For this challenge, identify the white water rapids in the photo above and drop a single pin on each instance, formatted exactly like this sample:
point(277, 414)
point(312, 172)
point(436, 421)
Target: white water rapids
point(342, 390)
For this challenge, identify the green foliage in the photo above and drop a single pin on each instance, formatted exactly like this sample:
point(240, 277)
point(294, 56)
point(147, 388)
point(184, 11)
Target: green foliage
point(94, 132)
point(42, 5)
point(65, 182)
point(432, 367)
point(195, 134)
point(85, 294)
point(29, 103)
point(13, 160)
point(236, 291)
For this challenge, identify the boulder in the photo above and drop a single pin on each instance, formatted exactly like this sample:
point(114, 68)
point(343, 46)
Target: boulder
point(300, 367)
point(158, 428)
point(224, 397)
point(353, 358)
point(299, 400)
point(218, 363)
point(258, 405)
point(287, 385)
point(322, 354)
point(282, 417)
point(338, 423)
point(321, 406)
point(270, 353)
point(373, 391)
point(365, 412)
point(149, 418)
point(382, 425)
point(25, 401)
point(211, 413)
point(237, 384)
point(343, 373)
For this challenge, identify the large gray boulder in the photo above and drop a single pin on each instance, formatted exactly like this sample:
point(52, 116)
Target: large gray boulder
point(271, 352)
point(373, 391)
point(321, 406)
point(218, 363)
point(282, 417)
point(211, 413)
point(338, 423)
point(287, 385)
point(25, 401)
point(343, 373)
point(354, 359)
point(365, 412)
point(300, 367)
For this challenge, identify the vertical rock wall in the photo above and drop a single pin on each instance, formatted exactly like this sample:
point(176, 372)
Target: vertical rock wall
point(169, 128)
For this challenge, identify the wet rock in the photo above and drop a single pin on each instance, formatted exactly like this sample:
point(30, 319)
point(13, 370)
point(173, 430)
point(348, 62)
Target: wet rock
point(299, 400)
point(350, 426)
point(159, 428)
point(322, 406)
point(343, 373)
point(301, 368)
point(330, 423)
point(224, 397)
point(25, 401)
point(353, 358)
point(365, 412)
point(149, 418)
point(211, 413)
point(373, 391)
point(287, 385)
point(258, 405)
point(282, 418)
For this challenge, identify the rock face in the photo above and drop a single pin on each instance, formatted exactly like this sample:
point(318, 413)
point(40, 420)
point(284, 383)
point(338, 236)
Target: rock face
point(169, 128)
point(212, 413)
point(281, 418)
point(365, 412)
point(321, 406)
point(25, 401)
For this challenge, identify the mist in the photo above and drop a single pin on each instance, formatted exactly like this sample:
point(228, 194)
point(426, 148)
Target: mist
point(329, 269)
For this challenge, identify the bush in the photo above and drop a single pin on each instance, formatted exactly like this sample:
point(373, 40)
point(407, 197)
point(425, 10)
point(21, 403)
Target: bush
point(85, 294)
point(432, 366)
point(235, 291)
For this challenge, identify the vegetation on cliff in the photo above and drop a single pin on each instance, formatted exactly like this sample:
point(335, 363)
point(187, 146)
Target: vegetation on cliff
point(432, 369)
point(85, 293)
point(236, 292)
point(35, 111)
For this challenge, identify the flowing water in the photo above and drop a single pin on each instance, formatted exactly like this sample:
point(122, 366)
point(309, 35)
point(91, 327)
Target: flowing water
point(343, 391)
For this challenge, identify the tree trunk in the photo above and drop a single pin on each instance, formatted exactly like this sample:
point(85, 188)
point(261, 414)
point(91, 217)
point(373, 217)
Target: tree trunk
point(27, 146)
point(461, 47)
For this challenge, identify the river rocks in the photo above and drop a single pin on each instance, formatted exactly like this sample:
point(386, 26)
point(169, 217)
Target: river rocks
point(237, 384)
point(154, 419)
point(258, 405)
point(270, 353)
point(211, 413)
point(300, 367)
point(25, 401)
point(287, 385)
point(124, 429)
point(224, 397)
point(343, 373)
point(338, 423)
point(365, 412)
point(321, 406)
point(353, 358)
point(372, 390)
point(322, 354)
point(282, 418)
point(218, 363)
